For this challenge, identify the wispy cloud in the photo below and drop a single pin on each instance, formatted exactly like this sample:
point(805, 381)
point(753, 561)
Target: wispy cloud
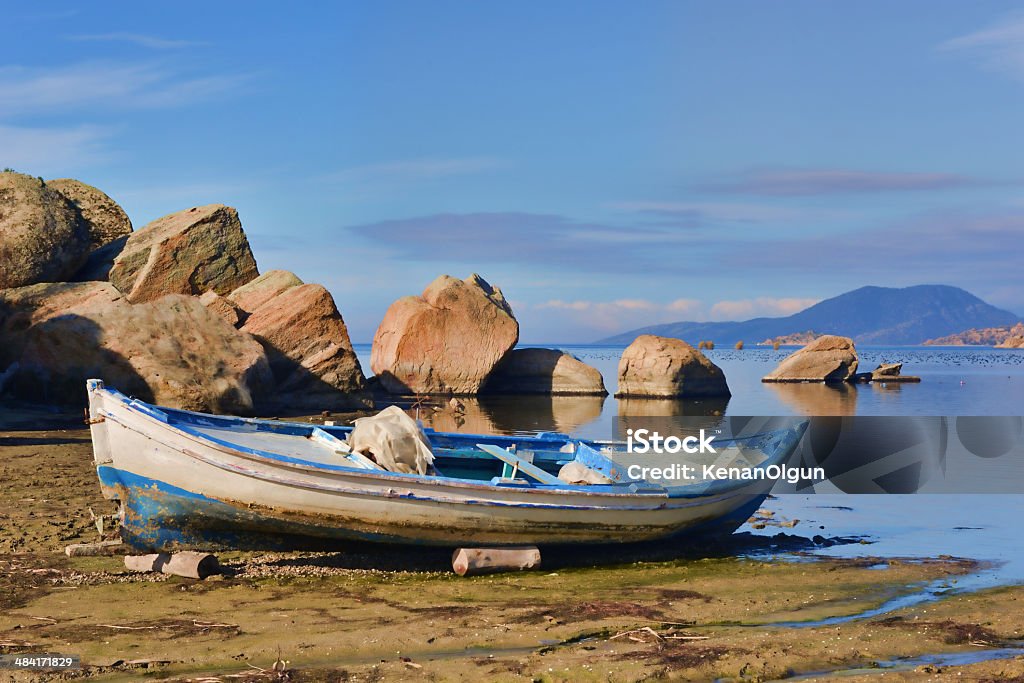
point(528, 239)
point(45, 150)
point(140, 39)
point(785, 182)
point(106, 85)
point(697, 214)
point(999, 46)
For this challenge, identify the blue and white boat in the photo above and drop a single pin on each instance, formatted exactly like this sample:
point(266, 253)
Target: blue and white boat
point(192, 480)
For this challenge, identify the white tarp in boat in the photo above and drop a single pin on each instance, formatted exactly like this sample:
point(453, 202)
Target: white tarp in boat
point(574, 472)
point(393, 440)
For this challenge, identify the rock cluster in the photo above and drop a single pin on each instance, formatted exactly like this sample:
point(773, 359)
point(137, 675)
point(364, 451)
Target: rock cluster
point(1012, 342)
point(178, 313)
point(1000, 337)
point(173, 351)
point(175, 312)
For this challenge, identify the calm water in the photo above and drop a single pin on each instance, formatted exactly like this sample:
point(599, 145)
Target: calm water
point(955, 381)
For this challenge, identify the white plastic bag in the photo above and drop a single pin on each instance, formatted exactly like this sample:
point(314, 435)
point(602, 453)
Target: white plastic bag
point(393, 440)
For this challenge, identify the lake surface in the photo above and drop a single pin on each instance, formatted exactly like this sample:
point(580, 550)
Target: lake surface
point(956, 381)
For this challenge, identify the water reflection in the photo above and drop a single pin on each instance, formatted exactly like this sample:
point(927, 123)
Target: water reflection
point(668, 407)
point(682, 415)
point(512, 414)
point(817, 399)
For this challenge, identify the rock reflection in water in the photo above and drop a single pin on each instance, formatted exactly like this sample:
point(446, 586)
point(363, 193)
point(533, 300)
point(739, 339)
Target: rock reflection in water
point(516, 414)
point(810, 398)
point(677, 416)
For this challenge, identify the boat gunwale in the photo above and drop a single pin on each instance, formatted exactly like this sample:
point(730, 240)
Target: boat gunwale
point(702, 490)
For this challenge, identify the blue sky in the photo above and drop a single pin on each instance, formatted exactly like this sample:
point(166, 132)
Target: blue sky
point(608, 165)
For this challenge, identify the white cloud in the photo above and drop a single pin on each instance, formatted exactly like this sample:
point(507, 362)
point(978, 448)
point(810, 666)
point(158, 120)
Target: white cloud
point(607, 316)
point(762, 306)
point(684, 306)
point(103, 85)
point(697, 214)
point(999, 47)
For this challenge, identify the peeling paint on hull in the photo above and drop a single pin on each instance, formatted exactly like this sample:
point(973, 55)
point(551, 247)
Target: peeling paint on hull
point(183, 488)
point(161, 517)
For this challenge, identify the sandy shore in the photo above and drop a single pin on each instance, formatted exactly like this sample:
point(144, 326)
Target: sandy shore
point(370, 615)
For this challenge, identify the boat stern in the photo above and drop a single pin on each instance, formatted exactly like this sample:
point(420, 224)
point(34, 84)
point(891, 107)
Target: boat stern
point(102, 454)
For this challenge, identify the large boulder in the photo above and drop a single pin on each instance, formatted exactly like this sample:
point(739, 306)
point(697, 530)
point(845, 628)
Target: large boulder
point(309, 348)
point(43, 238)
point(545, 371)
point(829, 358)
point(663, 367)
point(254, 294)
point(173, 351)
point(189, 252)
point(106, 220)
point(448, 340)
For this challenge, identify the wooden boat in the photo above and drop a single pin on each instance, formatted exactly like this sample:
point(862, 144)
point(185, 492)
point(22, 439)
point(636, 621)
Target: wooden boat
point(188, 479)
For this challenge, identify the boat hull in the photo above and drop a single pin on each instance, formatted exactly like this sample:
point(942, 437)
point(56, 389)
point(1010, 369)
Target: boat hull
point(179, 490)
point(165, 518)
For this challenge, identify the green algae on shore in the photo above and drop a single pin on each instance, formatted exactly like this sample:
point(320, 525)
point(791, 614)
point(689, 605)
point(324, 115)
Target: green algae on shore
point(364, 615)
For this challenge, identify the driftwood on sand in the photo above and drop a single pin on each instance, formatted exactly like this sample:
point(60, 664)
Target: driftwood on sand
point(472, 561)
point(192, 565)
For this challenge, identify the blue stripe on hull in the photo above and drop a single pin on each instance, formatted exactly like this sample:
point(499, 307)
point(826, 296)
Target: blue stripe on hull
point(162, 517)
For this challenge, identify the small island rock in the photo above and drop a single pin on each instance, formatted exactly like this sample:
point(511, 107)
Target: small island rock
point(664, 367)
point(829, 358)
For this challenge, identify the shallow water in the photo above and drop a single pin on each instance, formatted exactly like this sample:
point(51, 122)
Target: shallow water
point(955, 381)
point(984, 527)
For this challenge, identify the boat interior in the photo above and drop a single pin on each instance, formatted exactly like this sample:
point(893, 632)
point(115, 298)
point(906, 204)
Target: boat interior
point(505, 460)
